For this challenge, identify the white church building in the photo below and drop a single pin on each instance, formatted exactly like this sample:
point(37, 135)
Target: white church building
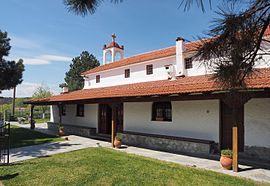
point(165, 100)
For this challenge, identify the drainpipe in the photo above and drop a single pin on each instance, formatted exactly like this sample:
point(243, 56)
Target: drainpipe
point(180, 60)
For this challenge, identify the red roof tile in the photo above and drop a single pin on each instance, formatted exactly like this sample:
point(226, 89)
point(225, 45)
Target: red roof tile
point(193, 84)
point(134, 59)
point(113, 44)
point(165, 52)
point(156, 54)
point(267, 31)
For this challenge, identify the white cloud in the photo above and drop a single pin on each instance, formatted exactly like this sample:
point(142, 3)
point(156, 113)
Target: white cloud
point(46, 59)
point(56, 58)
point(35, 61)
point(25, 47)
point(27, 89)
point(23, 43)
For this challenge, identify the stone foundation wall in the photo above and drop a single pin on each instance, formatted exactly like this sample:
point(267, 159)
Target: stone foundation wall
point(169, 144)
point(52, 126)
point(71, 129)
point(256, 153)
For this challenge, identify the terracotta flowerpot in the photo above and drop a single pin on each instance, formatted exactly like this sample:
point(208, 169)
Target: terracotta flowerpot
point(117, 143)
point(61, 132)
point(226, 162)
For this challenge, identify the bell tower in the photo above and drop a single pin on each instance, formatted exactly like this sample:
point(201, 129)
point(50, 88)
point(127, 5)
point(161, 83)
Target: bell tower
point(113, 48)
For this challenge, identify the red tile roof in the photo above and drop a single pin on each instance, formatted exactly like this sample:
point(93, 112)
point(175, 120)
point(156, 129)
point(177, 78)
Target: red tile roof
point(134, 59)
point(193, 84)
point(156, 54)
point(113, 44)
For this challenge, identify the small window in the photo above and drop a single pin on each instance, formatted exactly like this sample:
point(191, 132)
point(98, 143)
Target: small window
point(80, 110)
point(63, 110)
point(188, 63)
point(127, 73)
point(162, 111)
point(149, 69)
point(97, 78)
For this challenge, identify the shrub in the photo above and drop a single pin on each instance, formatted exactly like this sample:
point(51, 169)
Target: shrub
point(227, 152)
point(118, 137)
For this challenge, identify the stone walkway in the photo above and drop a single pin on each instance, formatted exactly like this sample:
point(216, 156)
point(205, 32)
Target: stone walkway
point(76, 143)
point(258, 174)
point(48, 149)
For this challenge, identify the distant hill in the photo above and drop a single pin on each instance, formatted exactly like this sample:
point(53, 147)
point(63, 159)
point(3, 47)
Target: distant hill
point(8, 100)
point(4, 100)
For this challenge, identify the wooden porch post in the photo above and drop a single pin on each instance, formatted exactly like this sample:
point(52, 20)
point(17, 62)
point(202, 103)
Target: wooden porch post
point(32, 123)
point(237, 101)
point(235, 148)
point(113, 123)
point(60, 114)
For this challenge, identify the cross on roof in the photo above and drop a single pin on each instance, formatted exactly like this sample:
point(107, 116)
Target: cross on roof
point(113, 37)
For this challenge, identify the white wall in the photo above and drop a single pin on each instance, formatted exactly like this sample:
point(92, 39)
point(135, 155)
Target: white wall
point(257, 122)
point(192, 119)
point(115, 76)
point(54, 113)
point(90, 118)
point(137, 74)
point(197, 69)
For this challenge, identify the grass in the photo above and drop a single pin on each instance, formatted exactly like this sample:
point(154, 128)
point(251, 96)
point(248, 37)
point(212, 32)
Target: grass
point(20, 137)
point(38, 121)
point(42, 120)
point(102, 166)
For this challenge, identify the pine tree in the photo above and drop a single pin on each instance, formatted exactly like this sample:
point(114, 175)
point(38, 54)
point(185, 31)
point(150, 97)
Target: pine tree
point(80, 64)
point(10, 71)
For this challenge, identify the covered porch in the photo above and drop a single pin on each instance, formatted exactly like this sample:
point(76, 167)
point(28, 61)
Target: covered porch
point(109, 105)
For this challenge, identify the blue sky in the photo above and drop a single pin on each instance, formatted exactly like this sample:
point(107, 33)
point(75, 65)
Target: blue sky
point(47, 36)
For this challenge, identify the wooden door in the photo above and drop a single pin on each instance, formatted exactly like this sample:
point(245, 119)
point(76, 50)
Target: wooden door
point(227, 124)
point(105, 119)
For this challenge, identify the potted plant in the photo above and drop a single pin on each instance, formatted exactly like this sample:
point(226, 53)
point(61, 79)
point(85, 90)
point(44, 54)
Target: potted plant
point(61, 131)
point(118, 140)
point(226, 159)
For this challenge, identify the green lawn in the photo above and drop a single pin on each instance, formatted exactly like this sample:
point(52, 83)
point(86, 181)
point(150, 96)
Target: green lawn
point(20, 137)
point(38, 121)
point(102, 166)
point(42, 120)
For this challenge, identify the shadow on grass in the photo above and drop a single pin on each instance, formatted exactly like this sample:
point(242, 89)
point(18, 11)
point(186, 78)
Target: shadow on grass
point(9, 176)
point(46, 156)
point(20, 137)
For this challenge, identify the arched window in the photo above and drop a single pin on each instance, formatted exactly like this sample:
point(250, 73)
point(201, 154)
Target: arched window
point(162, 111)
point(108, 57)
point(117, 56)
